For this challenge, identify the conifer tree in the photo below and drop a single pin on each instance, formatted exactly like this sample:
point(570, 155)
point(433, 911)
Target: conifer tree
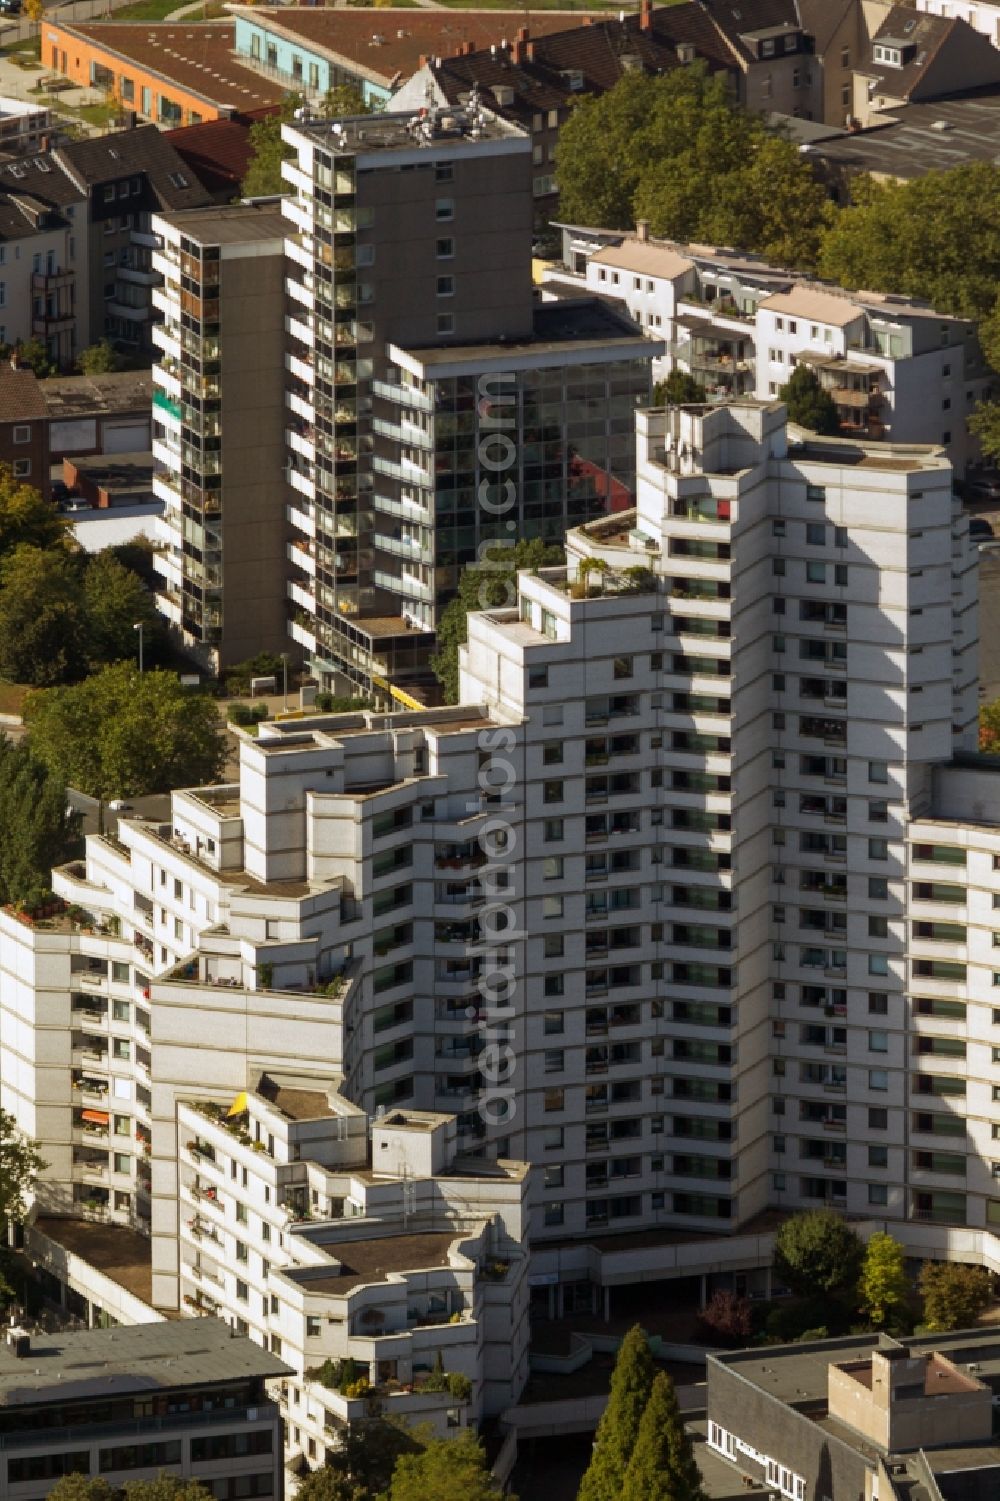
point(662, 1467)
point(618, 1429)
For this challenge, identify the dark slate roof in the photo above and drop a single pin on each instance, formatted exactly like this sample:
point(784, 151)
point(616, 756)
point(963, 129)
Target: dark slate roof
point(143, 149)
point(144, 1358)
point(600, 51)
point(738, 18)
point(925, 34)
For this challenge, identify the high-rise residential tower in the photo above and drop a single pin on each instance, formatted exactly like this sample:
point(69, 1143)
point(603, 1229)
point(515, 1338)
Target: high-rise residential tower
point(219, 433)
point(432, 405)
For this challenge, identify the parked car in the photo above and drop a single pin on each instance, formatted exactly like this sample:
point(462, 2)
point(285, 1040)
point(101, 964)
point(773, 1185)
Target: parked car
point(980, 529)
point(10, 7)
point(60, 489)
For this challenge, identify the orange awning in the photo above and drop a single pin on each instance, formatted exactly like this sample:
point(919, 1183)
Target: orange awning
point(97, 1117)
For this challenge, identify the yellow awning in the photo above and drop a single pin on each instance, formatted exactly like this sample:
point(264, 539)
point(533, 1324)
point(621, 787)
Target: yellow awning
point(240, 1105)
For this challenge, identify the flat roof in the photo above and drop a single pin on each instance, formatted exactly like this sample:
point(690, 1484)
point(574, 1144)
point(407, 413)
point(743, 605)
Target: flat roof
point(142, 1358)
point(122, 1254)
point(373, 1259)
point(387, 47)
point(797, 1374)
point(72, 396)
point(297, 1103)
point(586, 323)
point(909, 141)
point(446, 126)
point(196, 56)
point(230, 223)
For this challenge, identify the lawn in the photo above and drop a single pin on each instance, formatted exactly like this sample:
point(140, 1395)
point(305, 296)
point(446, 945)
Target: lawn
point(160, 10)
point(90, 114)
point(29, 46)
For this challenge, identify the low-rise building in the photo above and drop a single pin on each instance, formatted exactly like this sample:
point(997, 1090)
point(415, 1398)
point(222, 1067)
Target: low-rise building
point(916, 57)
point(23, 126)
point(98, 414)
point(895, 367)
point(24, 428)
point(867, 1416)
point(181, 1398)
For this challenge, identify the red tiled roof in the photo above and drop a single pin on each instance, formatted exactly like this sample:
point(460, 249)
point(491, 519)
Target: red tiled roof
point(218, 151)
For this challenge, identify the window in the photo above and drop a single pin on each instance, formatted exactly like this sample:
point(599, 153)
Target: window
point(552, 1023)
point(552, 906)
point(552, 868)
point(444, 172)
point(446, 323)
point(123, 1162)
point(878, 1193)
point(22, 468)
point(554, 1100)
point(878, 1042)
point(553, 830)
point(121, 1011)
point(552, 792)
point(815, 534)
point(553, 945)
point(815, 573)
point(446, 286)
point(444, 209)
point(120, 1048)
point(878, 1156)
point(538, 677)
point(878, 771)
point(878, 1118)
point(445, 249)
point(878, 1078)
point(22, 432)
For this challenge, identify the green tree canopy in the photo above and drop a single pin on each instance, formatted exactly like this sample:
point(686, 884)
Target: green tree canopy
point(883, 1287)
point(984, 424)
point(808, 404)
point(989, 727)
point(20, 1164)
point(954, 1294)
point(327, 1484)
point(675, 150)
point(42, 638)
point(618, 1430)
point(936, 236)
point(36, 832)
point(82, 1488)
point(678, 390)
point(26, 520)
point(263, 175)
point(33, 353)
point(816, 1253)
point(167, 1488)
point(344, 99)
point(121, 733)
point(483, 586)
point(662, 1467)
point(115, 600)
point(447, 1469)
point(98, 359)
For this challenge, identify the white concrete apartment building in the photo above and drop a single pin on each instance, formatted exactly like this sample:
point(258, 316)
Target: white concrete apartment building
point(981, 15)
point(896, 369)
point(741, 726)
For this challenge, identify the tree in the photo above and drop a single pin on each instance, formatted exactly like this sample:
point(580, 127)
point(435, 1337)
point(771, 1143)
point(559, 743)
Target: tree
point(989, 727)
point(679, 389)
point(727, 1318)
point(166, 1488)
point(366, 1458)
point(115, 600)
point(34, 10)
point(36, 831)
point(817, 1254)
point(483, 586)
point(41, 617)
point(34, 354)
point(675, 150)
point(327, 1484)
point(263, 175)
point(808, 404)
point(448, 1469)
point(884, 1287)
point(26, 519)
point(954, 1294)
point(984, 424)
point(344, 99)
point(82, 1488)
point(20, 1164)
point(618, 1430)
point(662, 1467)
point(98, 359)
point(122, 733)
point(936, 236)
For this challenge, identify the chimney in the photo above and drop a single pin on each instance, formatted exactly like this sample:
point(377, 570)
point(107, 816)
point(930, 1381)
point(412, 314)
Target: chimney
point(646, 15)
point(529, 51)
point(587, 21)
point(421, 61)
point(642, 229)
point(518, 49)
point(522, 34)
